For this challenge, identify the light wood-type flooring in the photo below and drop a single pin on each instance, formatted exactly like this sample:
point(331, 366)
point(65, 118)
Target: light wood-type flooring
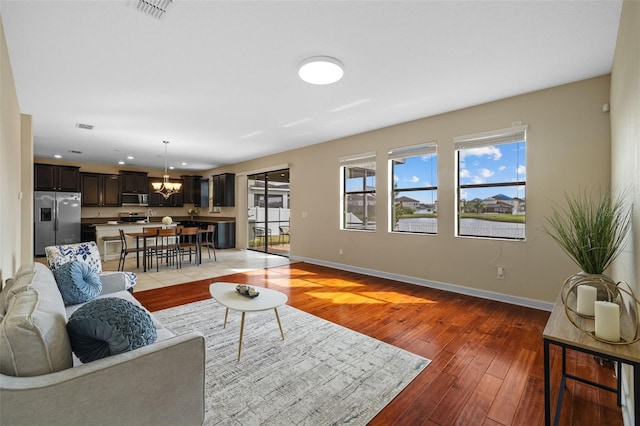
point(487, 356)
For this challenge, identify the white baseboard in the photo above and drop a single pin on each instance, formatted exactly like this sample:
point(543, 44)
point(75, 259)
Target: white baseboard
point(514, 300)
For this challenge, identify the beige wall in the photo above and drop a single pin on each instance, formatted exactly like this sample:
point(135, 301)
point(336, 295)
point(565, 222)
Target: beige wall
point(10, 169)
point(568, 146)
point(625, 133)
point(625, 158)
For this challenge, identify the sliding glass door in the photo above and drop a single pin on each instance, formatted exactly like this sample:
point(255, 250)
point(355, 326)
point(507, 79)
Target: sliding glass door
point(269, 200)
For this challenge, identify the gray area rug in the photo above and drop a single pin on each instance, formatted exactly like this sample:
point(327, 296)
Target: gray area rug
point(321, 374)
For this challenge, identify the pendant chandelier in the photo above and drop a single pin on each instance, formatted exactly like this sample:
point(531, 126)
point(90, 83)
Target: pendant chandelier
point(166, 188)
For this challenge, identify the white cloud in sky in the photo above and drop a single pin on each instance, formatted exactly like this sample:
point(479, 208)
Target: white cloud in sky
point(490, 151)
point(414, 179)
point(464, 173)
point(502, 168)
point(486, 173)
point(522, 170)
point(478, 179)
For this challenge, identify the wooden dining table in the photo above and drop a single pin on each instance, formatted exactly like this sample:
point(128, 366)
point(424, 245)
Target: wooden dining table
point(169, 232)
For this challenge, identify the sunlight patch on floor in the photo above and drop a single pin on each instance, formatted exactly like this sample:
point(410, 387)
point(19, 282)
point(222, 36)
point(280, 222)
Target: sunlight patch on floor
point(395, 297)
point(344, 297)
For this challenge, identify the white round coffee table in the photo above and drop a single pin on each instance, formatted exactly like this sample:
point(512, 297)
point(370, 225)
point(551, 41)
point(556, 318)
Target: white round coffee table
point(227, 296)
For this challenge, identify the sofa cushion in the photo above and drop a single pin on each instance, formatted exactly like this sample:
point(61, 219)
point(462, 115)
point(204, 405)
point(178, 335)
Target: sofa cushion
point(84, 252)
point(109, 326)
point(77, 282)
point(33, 333)
point(33, 337)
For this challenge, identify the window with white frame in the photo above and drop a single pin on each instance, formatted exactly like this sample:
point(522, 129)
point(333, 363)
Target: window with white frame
point(414, 189)
point(358, 177)
point(491, 184)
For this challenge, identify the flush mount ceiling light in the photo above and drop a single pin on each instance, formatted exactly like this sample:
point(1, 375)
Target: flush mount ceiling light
point(166, 188)
point(321, 70)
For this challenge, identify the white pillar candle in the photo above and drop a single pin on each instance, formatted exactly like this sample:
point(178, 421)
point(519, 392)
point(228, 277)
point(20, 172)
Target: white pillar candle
point(587, 296)
point(607, 321)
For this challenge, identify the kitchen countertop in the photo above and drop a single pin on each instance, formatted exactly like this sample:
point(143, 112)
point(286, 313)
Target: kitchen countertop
point(102, 221)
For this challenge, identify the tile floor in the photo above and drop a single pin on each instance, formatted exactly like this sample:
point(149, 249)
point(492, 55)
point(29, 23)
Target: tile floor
point(230, 261)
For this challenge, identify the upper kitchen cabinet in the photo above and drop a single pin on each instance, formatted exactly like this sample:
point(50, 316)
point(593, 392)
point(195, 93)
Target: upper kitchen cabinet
point(49, 177)
point(204, 193)
point(100, 190)
point(157, 200)
point(224, 193)
point(134, 182)
point(191, 190)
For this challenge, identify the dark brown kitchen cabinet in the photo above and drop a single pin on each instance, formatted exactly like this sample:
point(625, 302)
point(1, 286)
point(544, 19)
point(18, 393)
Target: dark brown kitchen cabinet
point(157, 200)
point(134, 182)
point(224, 194)
point(100, 190)
point(49, 177)
point(191, 190)
point(204, 193)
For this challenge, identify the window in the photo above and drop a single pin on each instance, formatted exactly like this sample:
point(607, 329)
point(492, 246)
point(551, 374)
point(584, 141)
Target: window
point(275, 201)
point(491, 180)
point(359, 192)
point(414, 194)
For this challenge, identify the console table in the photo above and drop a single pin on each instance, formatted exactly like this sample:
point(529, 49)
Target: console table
point(561, 332)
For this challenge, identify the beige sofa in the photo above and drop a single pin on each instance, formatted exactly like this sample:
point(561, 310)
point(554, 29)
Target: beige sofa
point(43, 383)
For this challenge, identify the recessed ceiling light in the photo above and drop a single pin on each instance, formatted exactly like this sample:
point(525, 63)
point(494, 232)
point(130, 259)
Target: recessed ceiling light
point(183, 163)
point(121, 162)
point(57, 156)
point(129, 158)
point(170, 167)
point(321, 70)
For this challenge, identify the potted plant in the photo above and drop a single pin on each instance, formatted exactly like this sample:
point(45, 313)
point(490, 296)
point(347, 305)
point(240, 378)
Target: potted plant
point(591, 229)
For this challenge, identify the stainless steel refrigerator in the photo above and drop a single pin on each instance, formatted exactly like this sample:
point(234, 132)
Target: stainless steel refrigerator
point(57, 219)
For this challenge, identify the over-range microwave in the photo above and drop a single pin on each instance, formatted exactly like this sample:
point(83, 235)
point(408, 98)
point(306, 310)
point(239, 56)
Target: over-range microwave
point(135, 199)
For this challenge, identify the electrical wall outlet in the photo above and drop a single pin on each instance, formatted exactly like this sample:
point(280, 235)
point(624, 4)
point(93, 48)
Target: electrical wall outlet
point(501, 272)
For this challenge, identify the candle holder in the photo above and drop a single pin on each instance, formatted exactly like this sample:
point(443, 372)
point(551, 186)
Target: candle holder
point(615, 294)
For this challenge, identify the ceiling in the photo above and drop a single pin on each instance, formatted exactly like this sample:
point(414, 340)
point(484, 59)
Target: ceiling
point(218, 79)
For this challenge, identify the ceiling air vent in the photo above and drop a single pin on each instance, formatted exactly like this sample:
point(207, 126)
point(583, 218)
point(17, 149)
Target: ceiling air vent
point(84, 126)
point(74, 151)
point(154, 8)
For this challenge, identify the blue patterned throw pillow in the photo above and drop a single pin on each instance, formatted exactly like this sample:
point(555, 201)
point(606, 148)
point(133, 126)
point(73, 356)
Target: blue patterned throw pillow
point(77, 282)
point(107, 327)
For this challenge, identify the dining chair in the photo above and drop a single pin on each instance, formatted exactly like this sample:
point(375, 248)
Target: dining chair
point(168, 247)
point(151, 243)
point(208, 240)
point(189, 241)
point(126, 250)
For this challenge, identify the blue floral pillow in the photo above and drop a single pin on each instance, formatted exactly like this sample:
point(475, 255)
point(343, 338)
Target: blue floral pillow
point(77, 282)
point(109, 326)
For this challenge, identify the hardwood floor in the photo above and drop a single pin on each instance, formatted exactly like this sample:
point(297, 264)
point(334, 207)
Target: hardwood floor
point(487, 357)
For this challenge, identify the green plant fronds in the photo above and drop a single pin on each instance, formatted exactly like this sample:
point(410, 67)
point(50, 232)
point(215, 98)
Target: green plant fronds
point(591, 229)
